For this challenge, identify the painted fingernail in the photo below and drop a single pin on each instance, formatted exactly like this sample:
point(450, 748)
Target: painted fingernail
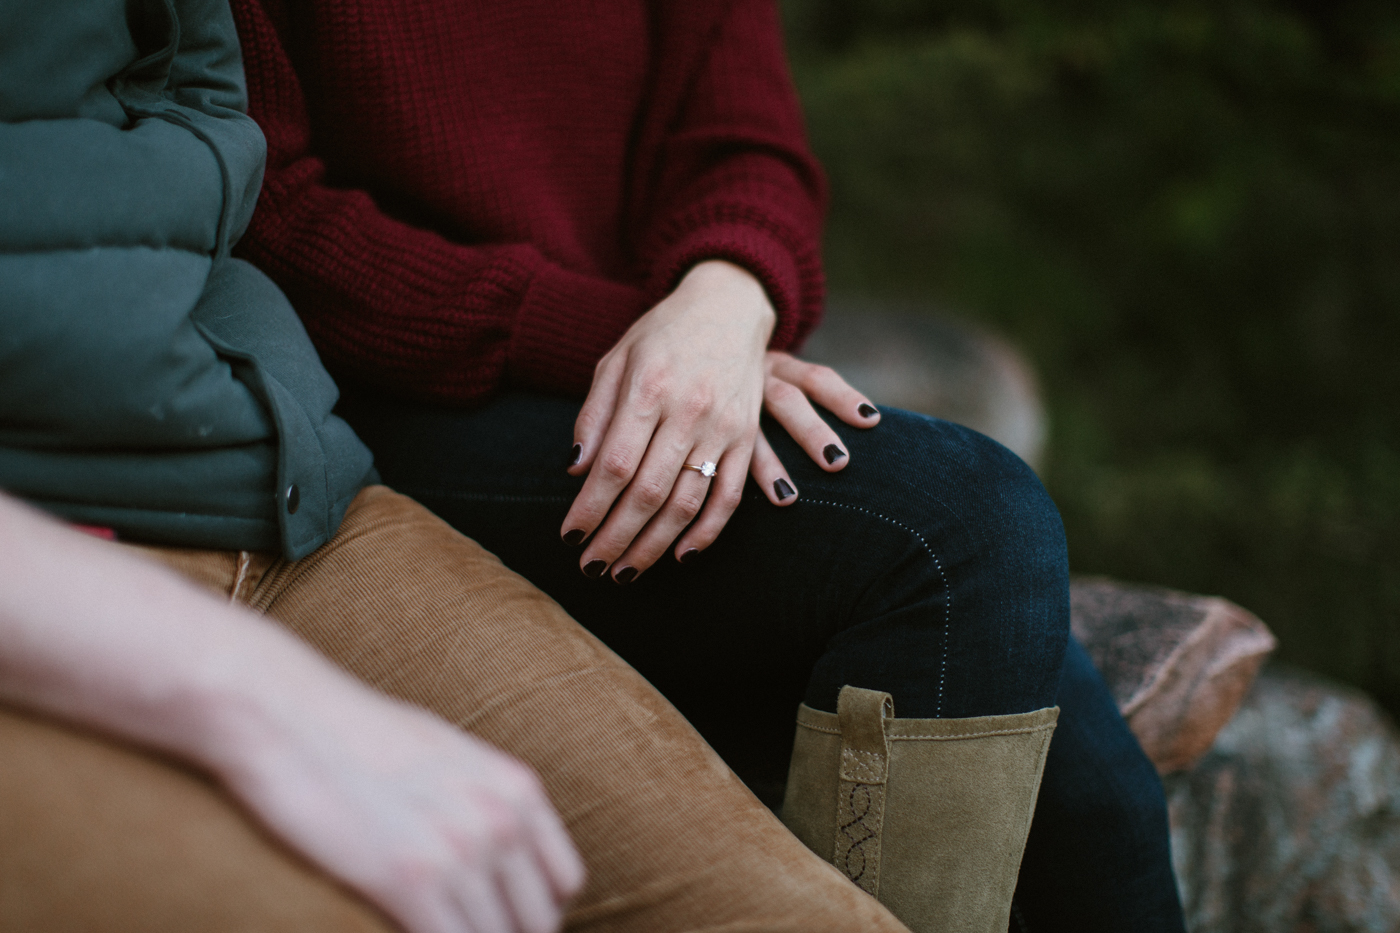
point(626, 575)
point(866, 410)
point(578, 455)
point(782, 489)
point(690, 555)
point(595, 567)
point(832, 453)
point(575, 537)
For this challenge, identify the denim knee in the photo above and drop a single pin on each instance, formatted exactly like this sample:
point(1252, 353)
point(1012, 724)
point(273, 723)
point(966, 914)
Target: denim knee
point(976, 606)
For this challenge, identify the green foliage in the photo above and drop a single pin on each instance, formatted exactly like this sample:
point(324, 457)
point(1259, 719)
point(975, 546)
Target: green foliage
point(1188, 214)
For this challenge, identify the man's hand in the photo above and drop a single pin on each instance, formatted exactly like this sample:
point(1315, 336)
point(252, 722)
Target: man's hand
point(685, 386)
point(441, 831)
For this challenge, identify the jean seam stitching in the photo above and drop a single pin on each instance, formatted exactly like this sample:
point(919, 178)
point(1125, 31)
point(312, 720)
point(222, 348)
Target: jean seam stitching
point(947, 590)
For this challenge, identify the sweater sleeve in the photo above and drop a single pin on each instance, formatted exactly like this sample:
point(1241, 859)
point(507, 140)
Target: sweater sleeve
point(736, 179)
point(398, 305)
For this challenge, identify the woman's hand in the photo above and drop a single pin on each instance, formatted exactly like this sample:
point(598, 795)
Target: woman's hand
point(685, 385)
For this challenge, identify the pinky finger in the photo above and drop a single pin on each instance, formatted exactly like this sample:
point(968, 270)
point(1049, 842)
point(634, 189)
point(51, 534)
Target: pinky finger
point(556, 851)
point(768, 472)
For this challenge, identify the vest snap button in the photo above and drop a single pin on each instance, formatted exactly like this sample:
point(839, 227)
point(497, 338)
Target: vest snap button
point(293, 499)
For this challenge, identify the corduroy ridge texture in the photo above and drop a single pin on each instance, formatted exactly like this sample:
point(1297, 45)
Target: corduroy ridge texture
point(929, 815)
point(97, 837)
point(462, 194)
point(672, 840)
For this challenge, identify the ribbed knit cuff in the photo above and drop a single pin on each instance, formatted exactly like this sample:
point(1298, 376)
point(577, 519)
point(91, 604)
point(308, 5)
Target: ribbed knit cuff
point(762, 253)
point(566, 324)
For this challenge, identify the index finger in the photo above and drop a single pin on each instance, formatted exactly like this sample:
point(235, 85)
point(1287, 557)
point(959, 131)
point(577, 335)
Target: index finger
point(616, 462)
point(595, 417)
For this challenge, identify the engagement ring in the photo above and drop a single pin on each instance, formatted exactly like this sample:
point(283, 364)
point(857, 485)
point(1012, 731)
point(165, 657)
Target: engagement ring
point(706, 469)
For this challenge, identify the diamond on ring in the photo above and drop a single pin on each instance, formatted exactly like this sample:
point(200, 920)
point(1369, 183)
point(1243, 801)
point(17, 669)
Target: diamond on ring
point(706, 469)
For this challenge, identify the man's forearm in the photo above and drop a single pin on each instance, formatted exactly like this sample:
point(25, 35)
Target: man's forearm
point(100, 637)
point(372, 790)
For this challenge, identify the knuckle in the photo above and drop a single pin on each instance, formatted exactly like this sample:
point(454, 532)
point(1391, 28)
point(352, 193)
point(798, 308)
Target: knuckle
point(783, 392)
point(416, 872)
point(505, 829)
point(616, 464)
point(687, 504)
point(494, 827)
point(697, 404)
point(818, 377)
point(649, 493)
point(729, 497)
point(651, 389)
point(731, 424)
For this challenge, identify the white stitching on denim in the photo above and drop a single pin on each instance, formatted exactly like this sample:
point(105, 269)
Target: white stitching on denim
point(947, 590)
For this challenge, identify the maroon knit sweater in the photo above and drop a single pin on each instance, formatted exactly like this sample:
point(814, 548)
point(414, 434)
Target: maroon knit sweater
point(466, 194)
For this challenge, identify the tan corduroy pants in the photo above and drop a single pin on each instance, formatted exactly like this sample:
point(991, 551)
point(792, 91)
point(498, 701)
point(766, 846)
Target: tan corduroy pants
point(100, 838)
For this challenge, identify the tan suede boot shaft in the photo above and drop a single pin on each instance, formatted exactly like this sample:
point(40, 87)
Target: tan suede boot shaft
point(928, 815)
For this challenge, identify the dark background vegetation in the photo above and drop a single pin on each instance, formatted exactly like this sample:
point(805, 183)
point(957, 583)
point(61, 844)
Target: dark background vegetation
point(1188, 215)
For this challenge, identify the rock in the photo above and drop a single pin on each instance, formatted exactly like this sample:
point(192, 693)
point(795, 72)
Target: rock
point(1291, 822)
point(1178, 664)
point(914, 357)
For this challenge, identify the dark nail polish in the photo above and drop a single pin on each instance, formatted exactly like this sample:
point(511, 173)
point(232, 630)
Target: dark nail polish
point(832, 453)
point(866, 410)
point(578, 455)
point(782, 489)
point(626, 575)
point(595, 567)
point(575, 537)
point(690, 555)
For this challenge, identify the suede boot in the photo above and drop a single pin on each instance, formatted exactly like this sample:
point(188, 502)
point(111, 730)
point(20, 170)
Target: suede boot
point(928, 815)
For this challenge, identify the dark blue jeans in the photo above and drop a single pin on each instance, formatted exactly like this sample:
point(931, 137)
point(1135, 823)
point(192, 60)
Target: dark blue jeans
point(933, 567)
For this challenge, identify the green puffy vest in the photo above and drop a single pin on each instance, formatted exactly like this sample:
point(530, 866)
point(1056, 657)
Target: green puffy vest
point(149, 382)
